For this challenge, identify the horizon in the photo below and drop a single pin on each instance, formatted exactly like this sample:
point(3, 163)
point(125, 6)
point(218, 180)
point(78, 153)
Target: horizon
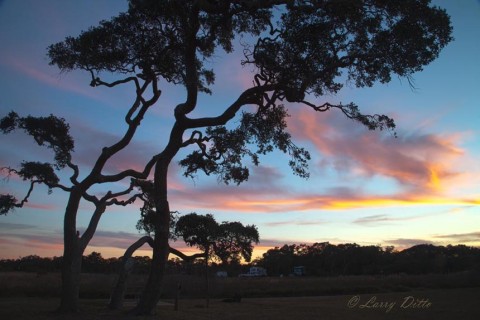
point(419, 188)
point(242, 261)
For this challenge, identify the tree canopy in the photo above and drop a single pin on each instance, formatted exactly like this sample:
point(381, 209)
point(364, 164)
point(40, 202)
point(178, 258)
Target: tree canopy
point(227, 241)
point(298, 50)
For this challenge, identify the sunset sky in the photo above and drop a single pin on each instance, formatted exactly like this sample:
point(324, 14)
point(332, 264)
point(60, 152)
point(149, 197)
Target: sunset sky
point(365, 187)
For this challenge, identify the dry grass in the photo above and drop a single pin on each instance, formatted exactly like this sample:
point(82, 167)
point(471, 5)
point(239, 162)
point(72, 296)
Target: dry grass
point(31, 296)
point(444, 304)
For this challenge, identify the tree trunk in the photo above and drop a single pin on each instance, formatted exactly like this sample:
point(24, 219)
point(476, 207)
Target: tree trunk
point(74, 247)
point(71, 270)
point(116, 300)
point(72, 258)
point(151, 294)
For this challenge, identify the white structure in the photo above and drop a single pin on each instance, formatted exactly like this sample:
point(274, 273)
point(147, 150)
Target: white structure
point(255, 272)
point(221, 274)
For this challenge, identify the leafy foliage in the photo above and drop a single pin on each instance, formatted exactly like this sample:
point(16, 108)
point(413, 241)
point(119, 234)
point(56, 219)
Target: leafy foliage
point(235, 240)
point(151, 39)
point(309, 48)
point(197, 230)
point(7, 203)
point(51, 131)
point(227, 241)
point(298, 49)
point(317, 41)
point(326, 259)
point(147, 211)
point(265, 129)
point(38, 171)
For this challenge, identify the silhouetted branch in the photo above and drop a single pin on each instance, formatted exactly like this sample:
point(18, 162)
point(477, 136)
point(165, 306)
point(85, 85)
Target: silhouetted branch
point(372, 122)
point(184, 256)
point(92, 225)
point(249, 96)
point(131, 173)
point(76, 172)
point(96, 81)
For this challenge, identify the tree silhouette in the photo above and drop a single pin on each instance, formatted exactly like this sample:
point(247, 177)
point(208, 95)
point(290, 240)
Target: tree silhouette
point(227, 241)
point(53, 133)
point(299, 50)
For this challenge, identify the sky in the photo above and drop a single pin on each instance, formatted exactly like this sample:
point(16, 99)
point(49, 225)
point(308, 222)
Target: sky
point(364, 187)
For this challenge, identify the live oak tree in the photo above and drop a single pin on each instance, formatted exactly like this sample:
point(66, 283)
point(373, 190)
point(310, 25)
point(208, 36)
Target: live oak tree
point(226, 241)
point(53, 132)
point(299, 50)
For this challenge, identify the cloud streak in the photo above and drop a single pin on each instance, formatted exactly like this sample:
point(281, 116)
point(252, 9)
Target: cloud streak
point(416, 162)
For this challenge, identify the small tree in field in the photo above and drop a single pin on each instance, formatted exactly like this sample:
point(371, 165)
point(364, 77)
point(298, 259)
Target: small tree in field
point(227, 241)
point(299, 50)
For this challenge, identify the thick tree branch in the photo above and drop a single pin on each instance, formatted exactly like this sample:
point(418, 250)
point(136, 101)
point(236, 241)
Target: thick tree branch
point(108, 152)
point(249, 96)
point(96, 81)
point(76, 172)
point(184, 256)
point(191, 73)
point(92, 226)
point(131, 173)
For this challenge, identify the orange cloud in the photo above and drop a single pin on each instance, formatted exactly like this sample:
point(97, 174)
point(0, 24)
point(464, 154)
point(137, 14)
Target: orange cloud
point(422, 162)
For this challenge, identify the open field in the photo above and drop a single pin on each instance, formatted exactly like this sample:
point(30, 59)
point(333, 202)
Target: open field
point(99, 286)
point(431, 304)
point(32, 296)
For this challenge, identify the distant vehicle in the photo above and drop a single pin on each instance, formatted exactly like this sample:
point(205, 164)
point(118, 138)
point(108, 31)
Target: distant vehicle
point(254, 272)
point(221, 274)
point(299, 271)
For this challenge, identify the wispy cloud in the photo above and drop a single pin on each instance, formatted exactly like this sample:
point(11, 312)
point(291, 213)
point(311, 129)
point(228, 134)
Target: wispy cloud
point(7, 226)
point(402, 243)
point(417, 162)
point(461, 237)
point(295, 223)
point(40, 75)
point(424, 168)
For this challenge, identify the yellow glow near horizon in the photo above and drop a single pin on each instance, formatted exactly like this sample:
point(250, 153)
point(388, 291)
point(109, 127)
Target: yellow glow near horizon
point(342, 204)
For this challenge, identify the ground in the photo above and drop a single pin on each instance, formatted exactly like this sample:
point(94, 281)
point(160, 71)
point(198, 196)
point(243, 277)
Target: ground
point(419, 304)
point(436, 296)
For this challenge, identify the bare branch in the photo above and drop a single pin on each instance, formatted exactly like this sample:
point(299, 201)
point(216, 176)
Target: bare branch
point(76, 172)
point(92, 226)
point(96, 81)
point(351, 111)
point(184, 256)
point(249, 96)
point(131, 173)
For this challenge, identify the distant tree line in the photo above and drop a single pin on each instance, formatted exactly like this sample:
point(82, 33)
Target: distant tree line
point(95, 263)
point(318, 259)
point(325, 259)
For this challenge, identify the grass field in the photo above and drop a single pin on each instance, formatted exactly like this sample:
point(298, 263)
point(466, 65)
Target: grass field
point(437, 304)
point(28, 296)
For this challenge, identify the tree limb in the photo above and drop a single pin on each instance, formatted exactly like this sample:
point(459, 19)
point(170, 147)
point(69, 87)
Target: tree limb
point(184, 256)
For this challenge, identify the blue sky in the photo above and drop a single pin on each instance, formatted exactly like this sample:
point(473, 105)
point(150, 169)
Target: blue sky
point(364, 187)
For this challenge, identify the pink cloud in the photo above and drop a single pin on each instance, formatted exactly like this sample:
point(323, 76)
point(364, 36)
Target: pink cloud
point(424, 162)
point(41, 76)
point(41, 206)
